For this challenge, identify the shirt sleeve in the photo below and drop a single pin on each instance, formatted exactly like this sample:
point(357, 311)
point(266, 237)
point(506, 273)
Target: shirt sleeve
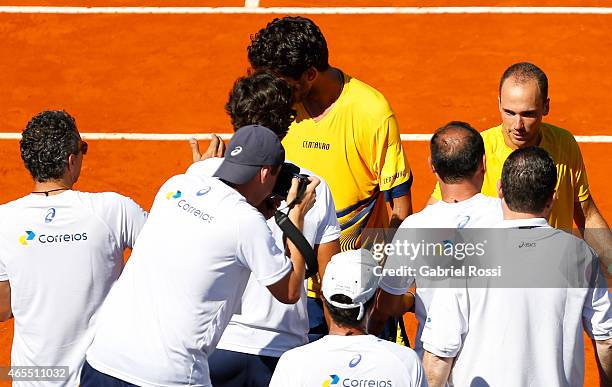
point(133, 219)
point(392, 168)
point(328, 229)
point(284, 373)
point(3, 273)
point(579, 175)
point(257, 250)
point(597, 310)
point(446, 323)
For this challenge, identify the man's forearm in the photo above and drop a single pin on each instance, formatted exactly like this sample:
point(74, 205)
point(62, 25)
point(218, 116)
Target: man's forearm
point(5, 301)
point(437, 369)
point(401, 209)
point(596, 233)
point(603, 349)
point(296, 282)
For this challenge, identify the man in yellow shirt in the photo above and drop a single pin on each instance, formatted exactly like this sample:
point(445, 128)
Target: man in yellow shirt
point(345, 130)
point(523, 102)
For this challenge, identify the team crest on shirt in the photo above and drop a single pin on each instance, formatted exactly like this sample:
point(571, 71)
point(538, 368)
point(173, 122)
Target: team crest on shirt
point(333, 380)
point(50, 215)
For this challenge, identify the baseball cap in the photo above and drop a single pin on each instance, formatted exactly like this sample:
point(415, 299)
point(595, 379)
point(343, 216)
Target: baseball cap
point(351, 273)
point(250, 148)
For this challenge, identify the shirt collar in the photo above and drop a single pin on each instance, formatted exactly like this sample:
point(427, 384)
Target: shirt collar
point(528, 222)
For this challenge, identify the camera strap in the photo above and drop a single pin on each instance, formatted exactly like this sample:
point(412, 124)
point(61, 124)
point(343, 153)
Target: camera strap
point(298, 239)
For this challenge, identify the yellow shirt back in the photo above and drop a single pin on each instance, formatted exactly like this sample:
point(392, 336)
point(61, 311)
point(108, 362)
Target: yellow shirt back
point(572, 183)
point(356, 148)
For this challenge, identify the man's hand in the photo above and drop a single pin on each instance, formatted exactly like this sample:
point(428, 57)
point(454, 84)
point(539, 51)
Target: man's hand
point(216, 148)
point(296, 214)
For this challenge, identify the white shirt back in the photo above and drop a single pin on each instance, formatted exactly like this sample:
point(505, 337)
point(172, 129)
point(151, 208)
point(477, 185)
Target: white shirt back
point(363, 360)
point(182, 284)
point(61, 254)
point(266, 326)
point(521, 336)
point(479, 211)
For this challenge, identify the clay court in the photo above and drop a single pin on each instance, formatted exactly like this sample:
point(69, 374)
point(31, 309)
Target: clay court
point(169, 73)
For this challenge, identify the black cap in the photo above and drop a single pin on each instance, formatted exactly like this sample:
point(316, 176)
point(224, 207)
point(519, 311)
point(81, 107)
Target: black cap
point(250, 148)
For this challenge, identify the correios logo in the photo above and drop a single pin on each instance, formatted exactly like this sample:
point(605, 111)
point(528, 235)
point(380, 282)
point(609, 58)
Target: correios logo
point(173, 195)
point(333, 380)
point(28, 236)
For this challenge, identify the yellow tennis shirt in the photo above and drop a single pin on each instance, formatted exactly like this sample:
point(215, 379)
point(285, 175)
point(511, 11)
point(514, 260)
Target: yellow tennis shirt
point(356, 148)
point(572, 183)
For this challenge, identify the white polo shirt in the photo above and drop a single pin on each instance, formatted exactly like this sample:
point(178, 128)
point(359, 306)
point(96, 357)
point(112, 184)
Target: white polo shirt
point(61, 254)
point(362, 360)
point(479, 211)
point(266, 326)
point(519, 336)
point(182, 284)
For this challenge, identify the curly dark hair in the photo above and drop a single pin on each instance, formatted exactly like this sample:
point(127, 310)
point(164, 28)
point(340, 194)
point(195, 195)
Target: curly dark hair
point(261, 99)
point(46, 142)
point(289, 46)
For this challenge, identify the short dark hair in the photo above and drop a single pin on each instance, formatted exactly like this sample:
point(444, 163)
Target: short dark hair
point(46, 142)
point(261, 99)
point(289, 46)
point(529, 177)
point(525, 71)
point(456, 157)
point(347, 317)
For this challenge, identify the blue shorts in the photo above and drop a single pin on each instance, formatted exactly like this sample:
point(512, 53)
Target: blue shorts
point(90, 377)
point(237, 369)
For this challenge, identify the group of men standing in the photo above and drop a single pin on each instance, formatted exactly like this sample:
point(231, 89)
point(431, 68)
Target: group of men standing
point(214, 292)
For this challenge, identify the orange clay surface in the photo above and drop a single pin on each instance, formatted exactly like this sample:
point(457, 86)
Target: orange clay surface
point(172, 73)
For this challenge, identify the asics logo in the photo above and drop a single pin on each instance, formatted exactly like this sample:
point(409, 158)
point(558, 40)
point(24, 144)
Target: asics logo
point(354, 361)
point(236, 151)
point(203, 191)
point(50, 215)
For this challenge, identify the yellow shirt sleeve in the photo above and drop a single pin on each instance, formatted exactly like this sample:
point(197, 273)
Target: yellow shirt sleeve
point(579, 174)
point(391, 168)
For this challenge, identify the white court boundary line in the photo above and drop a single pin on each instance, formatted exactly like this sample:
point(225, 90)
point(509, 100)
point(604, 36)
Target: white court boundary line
point(251, 7)
point(227, 136)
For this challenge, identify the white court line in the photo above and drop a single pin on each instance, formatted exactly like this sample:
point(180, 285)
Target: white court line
point(308, 10)
point(227, 136)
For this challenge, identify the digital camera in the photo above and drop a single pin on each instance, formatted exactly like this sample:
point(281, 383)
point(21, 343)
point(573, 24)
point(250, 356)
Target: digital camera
point(283, 182)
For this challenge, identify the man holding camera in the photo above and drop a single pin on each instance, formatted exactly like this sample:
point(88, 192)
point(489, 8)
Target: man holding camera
point(190, 267)
point(265, 328)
